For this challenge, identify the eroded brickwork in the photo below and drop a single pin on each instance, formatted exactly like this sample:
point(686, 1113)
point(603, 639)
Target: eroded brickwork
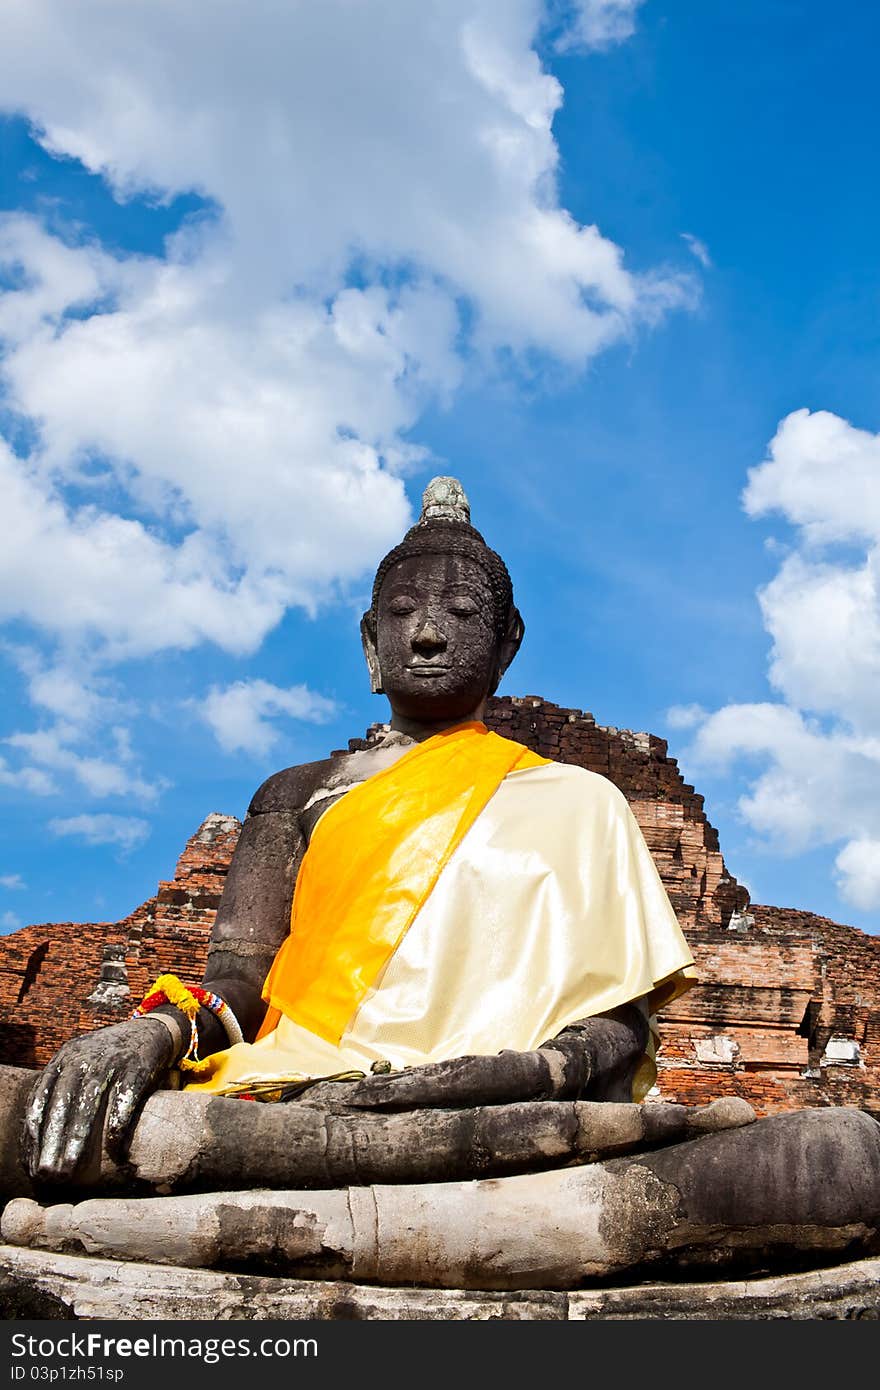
point(786, 1014)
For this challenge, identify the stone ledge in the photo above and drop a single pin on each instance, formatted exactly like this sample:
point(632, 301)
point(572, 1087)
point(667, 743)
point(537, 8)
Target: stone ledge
point(36, 1284)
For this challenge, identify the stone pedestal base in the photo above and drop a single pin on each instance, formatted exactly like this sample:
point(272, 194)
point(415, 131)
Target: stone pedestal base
point(39, 1284)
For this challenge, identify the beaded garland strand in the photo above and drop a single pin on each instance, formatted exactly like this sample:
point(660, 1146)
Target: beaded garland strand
point(168, 989)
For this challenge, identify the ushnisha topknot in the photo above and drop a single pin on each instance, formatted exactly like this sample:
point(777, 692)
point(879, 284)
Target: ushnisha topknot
point(444, 528)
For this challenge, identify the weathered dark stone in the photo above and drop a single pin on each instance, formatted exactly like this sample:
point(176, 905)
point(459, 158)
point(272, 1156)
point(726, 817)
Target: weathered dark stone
point(679, 1210)
point(94, 1288)
point(819, 1167)
point(185, 1142)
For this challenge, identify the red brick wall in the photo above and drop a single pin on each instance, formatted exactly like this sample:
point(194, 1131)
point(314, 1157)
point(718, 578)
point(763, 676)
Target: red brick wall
point(775, 984)
point(770, 997)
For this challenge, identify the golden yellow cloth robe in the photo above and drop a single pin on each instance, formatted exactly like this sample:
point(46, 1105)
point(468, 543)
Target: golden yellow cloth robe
point(373, 860)
point(548, 909)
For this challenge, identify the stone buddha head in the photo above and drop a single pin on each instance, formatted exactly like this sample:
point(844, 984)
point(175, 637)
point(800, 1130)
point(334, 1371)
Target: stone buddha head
point(442, 627)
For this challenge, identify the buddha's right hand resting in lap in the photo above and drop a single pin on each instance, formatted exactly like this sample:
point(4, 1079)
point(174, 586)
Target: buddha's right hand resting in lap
point(472, 923)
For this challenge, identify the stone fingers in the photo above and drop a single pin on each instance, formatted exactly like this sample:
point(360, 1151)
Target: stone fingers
point(35, 1116)
point(463, 1081)
point(125, 1094)
point(69, 1121)
point(438, 1083)
point(570, 1066)
point(133, 1081)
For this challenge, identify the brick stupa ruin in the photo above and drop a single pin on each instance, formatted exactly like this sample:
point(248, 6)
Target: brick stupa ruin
point(786, 1015)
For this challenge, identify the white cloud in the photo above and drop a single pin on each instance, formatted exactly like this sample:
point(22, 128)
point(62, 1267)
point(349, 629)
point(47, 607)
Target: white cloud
point(125, 831)
point(89, 723)
point(600, 23)
point(824, 618)
point(54, 278)
point(822, 608)
point(101, 578)
point(698, 248)
point(221, 432)
point(238, 388)
point(59, 691)
point(99, 776)
point(817, 785)
point(10, 921)
point(817, 751)
point(28, 779)
point(239, 713)
point(822, 474)
point(685, 716)
point(75, 695)
point(858, 873)
point(12, 881)
point(402, 134)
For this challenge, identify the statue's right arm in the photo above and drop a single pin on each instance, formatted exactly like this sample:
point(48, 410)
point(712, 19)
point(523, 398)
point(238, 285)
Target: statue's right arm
point(105, 1076)
point(253, 918)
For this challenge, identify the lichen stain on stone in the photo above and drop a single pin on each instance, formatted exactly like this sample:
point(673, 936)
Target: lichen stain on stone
point(638, 1213)
point(775, 1240)
point(561, 1142)
point(275, 1238)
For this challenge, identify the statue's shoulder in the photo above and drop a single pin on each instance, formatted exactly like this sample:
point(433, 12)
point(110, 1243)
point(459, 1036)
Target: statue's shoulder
point(578, 788)
point(292, 787)
point(584, 781)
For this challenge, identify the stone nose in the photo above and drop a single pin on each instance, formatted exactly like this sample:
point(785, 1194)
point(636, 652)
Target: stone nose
point(429, 639)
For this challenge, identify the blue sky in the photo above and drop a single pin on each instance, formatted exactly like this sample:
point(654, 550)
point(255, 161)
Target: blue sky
point(612, 264)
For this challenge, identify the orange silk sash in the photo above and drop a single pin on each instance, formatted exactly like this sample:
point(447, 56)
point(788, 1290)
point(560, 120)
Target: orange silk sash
point(373, 859)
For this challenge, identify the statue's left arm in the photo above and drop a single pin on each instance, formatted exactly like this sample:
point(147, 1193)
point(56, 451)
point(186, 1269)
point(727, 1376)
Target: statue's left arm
point(592, 1059)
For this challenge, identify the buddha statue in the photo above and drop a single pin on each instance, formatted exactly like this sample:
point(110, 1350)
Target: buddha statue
point(445, 907)
point(440, 940)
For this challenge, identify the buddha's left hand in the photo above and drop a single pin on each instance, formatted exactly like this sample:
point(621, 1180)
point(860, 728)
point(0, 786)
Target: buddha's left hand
point(595, 1057)
point(553, 1072)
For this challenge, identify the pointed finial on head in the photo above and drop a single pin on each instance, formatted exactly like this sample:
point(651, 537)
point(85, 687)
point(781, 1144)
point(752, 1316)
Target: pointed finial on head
point(444, 500)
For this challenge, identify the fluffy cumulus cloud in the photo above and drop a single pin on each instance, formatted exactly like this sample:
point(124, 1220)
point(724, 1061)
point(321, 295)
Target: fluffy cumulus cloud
point(219, 433)
point(858, 872)
point(239, 714)
point(814, 754)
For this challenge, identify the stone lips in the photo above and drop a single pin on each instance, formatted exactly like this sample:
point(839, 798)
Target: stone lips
point(786, 1015)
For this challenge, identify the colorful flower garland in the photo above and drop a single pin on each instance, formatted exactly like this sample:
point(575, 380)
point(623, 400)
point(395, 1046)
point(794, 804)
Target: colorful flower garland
point(168, 989)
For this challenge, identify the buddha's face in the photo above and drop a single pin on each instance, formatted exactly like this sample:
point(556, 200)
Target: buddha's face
point(435, 637)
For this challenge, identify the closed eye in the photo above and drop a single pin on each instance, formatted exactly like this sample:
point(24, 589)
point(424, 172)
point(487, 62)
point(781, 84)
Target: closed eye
point(402, 606)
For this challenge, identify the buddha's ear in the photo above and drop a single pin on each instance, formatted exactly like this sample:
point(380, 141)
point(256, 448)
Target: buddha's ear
point(509, 645)
point(368, 641)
